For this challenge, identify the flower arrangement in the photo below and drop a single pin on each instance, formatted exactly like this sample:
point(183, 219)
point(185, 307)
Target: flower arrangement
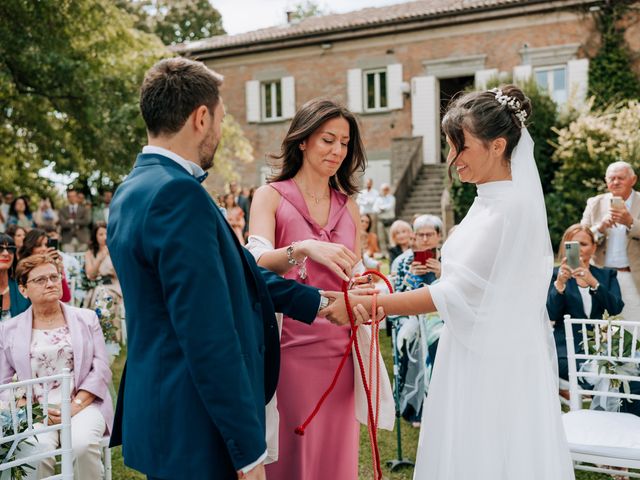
point(7, 428)
point(618, 349)
point(104, 308)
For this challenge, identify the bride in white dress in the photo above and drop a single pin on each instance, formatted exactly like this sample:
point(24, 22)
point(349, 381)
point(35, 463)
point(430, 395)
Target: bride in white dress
point(492, 412)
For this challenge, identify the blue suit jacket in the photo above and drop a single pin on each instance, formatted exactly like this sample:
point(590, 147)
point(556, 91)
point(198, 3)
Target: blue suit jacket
point(203, 349)
point(607, 297)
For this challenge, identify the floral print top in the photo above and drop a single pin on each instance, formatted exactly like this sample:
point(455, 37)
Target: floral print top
point(51, 351)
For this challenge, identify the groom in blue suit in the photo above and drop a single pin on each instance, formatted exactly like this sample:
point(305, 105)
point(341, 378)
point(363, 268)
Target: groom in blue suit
point(203, 347)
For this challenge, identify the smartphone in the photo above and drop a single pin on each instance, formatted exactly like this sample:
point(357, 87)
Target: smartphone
point(617, 203)
point(572, 252)
point(53, 243)
point(424, 255)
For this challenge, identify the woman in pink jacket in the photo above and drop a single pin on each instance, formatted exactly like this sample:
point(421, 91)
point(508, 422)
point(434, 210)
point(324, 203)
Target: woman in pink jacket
point(48, 337)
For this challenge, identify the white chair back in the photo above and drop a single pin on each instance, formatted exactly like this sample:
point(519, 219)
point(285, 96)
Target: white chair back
point(606, 345)
point(8, 392)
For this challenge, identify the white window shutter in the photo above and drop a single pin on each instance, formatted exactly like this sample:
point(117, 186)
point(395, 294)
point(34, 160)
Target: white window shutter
point(288, 97)
point(252, 94)
point(578, 80)
point(394, 86)
point(522, 73)
point(483, 76)
point(425, 115)
point(354, 90)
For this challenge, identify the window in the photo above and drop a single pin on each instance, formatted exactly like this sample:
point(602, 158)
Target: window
point(554, 81)
point(375, 89)
point(271, 100)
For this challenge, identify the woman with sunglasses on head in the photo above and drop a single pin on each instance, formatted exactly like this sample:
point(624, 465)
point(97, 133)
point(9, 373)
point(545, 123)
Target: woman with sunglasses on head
point(11, 300)
point(46, 338)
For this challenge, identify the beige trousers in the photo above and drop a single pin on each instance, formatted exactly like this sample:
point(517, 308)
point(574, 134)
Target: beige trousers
point(87, 430)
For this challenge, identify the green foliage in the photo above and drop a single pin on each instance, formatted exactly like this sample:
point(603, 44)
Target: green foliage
point(584, 150)
point(69, 77)
point(544, 116)
point(306, 9)
point(175, 21)
point(611, 78)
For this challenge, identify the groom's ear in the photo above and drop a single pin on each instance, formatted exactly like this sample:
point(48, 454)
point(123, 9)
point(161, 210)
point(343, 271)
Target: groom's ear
point(201, 119)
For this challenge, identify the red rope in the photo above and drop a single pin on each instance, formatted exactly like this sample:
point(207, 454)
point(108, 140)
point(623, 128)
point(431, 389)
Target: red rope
point(374, 351)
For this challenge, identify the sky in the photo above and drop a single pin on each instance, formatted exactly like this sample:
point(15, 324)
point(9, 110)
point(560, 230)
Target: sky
point(240, 16)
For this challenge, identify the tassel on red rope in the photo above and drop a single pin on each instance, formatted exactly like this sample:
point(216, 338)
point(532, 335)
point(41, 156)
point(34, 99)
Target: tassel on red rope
point(374, 350)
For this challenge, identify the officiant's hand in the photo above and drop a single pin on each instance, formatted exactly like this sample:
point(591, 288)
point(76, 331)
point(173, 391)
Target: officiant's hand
point(361, 315)
point(337, 258)
point(258, 473)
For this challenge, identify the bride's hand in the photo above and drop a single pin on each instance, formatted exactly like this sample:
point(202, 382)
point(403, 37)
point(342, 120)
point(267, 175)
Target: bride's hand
point(337, 258)
point(361, 315)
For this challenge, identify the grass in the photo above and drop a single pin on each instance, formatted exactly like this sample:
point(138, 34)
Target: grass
point(386, 440)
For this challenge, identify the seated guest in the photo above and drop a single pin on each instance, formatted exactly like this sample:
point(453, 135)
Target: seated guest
point(416, 332)
point(584, 292)
point(368, 239)
point(99, 269)
point(48, 337)
point(11, 301)
point(36, 242)
point(20, 214)
point(411, 274)
point(17, 233)
point(400, 235)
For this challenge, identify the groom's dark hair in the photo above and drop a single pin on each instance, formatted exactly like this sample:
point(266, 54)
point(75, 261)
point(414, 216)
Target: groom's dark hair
point(172, 89)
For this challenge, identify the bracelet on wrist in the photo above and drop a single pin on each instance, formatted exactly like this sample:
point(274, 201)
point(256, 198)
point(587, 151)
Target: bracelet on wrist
point(302, 270)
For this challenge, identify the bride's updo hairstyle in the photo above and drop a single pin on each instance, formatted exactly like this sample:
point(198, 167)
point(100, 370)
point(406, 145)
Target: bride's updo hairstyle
point(487, 115)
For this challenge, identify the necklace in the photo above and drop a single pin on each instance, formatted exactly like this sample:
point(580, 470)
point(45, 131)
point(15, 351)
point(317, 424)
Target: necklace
point(316, 198)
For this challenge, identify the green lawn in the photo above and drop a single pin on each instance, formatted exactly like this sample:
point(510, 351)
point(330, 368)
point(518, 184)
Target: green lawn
point(386, 440)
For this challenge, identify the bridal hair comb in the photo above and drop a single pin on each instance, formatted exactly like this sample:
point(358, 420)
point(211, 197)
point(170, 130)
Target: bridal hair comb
point(512, 103)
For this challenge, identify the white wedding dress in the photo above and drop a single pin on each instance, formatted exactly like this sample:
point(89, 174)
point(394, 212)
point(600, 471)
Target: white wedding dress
point(493, 412)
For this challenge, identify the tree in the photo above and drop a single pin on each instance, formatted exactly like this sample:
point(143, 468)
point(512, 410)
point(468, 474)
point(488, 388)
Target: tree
point(69, 77)
point(175, 21)
point(307, 9)
point(611, 78)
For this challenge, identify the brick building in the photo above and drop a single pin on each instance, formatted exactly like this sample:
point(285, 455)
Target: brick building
point(397, 67)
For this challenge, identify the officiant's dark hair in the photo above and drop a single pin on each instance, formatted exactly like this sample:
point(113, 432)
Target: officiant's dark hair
point(172, 89)
point(483, 116)
point(306, 121)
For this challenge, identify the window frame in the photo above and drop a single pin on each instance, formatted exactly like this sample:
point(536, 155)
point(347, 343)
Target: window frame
point(551, 87)
point(273, 87)
point(377, 91)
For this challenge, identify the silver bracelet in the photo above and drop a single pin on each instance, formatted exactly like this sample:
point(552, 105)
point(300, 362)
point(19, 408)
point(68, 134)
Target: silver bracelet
point(302, 269)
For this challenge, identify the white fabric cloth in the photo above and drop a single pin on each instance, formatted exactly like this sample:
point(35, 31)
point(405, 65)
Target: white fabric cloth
point(496, 343)
point(366, 200)
point(616, 254)
point(586, 300)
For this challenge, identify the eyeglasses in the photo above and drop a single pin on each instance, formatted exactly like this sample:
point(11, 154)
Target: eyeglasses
point(42, 281)
point(426, 235)
point(11, 249)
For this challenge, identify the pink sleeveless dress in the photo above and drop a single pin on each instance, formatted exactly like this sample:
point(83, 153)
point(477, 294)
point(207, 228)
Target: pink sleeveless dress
point(310, 355)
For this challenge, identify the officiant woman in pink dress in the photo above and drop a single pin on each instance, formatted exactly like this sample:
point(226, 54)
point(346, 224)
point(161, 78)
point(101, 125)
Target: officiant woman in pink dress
point(307, 215)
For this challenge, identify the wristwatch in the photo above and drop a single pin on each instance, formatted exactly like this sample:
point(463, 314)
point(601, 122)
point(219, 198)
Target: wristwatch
point(324, 302)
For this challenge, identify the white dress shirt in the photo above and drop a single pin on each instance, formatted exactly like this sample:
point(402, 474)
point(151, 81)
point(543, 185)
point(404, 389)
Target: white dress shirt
point(366, 200)
point(616, 253)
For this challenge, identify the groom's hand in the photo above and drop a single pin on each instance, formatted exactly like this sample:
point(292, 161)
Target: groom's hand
point(258, 473)
point(336, 312)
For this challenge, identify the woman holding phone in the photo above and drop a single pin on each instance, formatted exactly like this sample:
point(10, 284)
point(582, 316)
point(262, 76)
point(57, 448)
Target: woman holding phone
point(579, 289)
point(491, 295)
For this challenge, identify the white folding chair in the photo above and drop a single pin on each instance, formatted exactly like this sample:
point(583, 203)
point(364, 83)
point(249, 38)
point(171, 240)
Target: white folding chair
point(106, 458)
point(64, 427)
point(603, 439)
